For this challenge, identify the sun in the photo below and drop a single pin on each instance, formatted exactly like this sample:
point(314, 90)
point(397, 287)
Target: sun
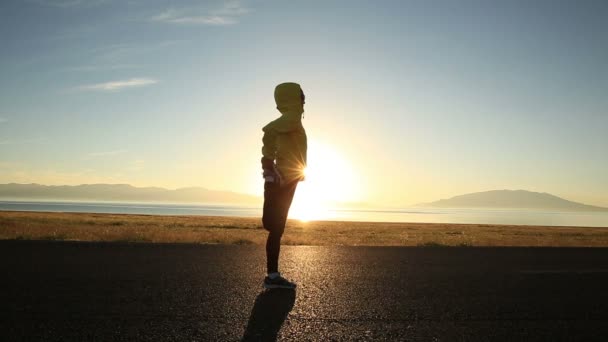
point(330, 178)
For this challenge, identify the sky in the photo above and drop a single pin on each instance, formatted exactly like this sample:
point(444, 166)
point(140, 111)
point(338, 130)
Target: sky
point(406, 101)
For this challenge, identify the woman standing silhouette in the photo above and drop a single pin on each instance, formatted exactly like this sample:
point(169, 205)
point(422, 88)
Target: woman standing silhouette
point(283, 162)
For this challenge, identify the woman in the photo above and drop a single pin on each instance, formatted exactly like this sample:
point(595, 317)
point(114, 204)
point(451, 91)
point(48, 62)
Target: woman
point(283, 162)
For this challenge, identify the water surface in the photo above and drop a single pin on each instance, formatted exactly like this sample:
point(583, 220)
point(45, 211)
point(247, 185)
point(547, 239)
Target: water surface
point(436, 215)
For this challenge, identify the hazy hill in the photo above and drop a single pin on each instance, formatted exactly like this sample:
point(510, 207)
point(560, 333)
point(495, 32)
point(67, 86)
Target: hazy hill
point(121, 192)
point(512, 199)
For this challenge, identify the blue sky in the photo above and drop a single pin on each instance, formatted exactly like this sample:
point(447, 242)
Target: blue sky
point(422, 99)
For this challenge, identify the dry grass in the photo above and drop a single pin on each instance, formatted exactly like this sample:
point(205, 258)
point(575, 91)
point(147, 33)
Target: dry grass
point(233, 230)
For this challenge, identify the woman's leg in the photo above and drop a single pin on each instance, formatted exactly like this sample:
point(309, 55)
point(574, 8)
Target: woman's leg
point(277, 201)
point(273, 248)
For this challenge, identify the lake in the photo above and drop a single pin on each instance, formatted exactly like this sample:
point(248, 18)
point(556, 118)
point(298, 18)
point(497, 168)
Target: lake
point(436, 215)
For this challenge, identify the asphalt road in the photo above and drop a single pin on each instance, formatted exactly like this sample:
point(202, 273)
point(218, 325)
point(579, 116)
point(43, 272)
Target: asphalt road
point(62, 291)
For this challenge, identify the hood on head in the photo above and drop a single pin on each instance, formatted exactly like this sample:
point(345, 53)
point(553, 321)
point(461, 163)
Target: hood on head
point(288, 97)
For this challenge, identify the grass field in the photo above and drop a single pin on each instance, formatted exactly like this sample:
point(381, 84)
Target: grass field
point(231, 230)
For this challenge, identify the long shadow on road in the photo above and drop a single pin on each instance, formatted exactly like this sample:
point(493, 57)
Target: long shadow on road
point(269, 311)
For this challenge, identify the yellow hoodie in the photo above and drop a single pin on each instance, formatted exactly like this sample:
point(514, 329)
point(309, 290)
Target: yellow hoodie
point(285, 138)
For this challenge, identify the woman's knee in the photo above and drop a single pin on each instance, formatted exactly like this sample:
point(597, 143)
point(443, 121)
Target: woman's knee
point(273, 223)
point(275, 235)
point(270, 223)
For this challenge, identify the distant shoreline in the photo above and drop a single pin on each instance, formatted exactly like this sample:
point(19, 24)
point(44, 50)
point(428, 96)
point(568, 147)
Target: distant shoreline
point(21, 225)
point(507, 216)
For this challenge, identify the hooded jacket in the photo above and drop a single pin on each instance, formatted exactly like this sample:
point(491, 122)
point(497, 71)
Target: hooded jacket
point(285, 138)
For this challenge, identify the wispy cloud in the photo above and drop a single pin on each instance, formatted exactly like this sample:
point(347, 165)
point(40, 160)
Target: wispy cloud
point(106, 153)
point(172, 16)
point(119, 85)
point(3, 120)
point(98, 67)
point(69, 3)
point(226, 14)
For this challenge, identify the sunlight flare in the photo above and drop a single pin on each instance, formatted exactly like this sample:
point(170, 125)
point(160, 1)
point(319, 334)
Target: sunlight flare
point(330, 179)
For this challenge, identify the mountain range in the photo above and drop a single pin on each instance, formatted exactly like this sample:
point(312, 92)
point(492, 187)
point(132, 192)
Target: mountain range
point(521, 199)
point(512, 199)
point(122, 193)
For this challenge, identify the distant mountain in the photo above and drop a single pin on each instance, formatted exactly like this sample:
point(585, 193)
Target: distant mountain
point(512, 199)
point(121, 192)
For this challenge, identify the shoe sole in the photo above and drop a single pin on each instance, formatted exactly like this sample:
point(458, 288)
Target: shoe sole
point(266, 286)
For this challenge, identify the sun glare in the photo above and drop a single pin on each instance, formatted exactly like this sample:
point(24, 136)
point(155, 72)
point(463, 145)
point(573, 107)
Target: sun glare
point(329, 179)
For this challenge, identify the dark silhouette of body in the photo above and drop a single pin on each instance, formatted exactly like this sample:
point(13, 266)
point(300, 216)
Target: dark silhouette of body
point(283, 162)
